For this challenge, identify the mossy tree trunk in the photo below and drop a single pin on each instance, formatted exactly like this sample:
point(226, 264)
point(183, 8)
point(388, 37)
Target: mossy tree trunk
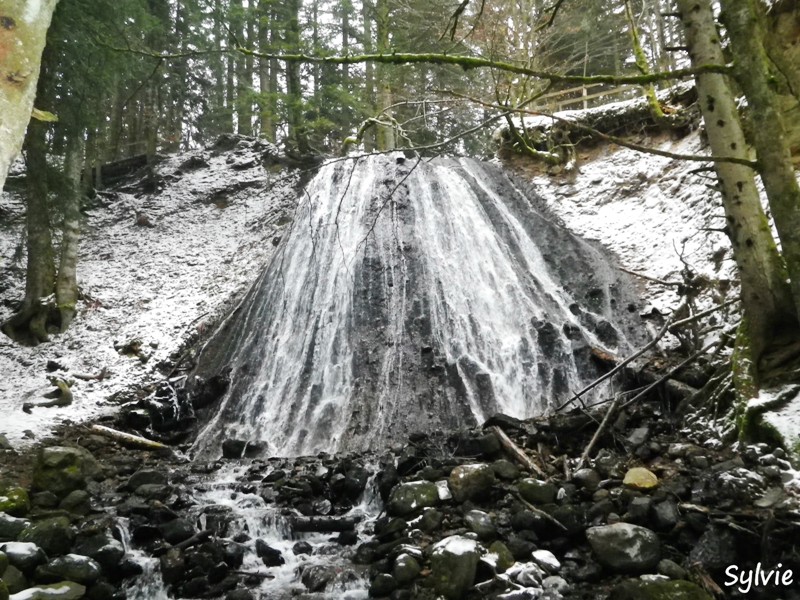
point(23, 30)
point(752, 68)
point(385, 134)
point(766, 295)
point(29, 324)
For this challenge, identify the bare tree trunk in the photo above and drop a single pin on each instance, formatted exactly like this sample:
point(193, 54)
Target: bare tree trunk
point(766, 296)
point(769, 132)
point(23, 31)
point(369, 71)
point(385, 133)
point(67, 282)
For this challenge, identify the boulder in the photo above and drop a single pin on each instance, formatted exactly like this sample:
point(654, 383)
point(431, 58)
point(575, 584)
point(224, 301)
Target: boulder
point(76, 502)
point(409, 498)
point(546, 560)
point(317, 577)
point(383, 585)
point(14, 579)
point(62, 469)
point(103, 548)
point(65, 590)
point(176, 530)
point(470, 482)
point(3, 590)
point(481, 524)
point(716, 549)
point(146, 477)
point(14, 501)
point(453, 564)
point(587, 478)
point(54, 535)
point(23, 555)
point(625, 548)
point(11, 527)
point(537, 492)
point(271, 557)
point(406, 569)
point(658, 590)
point(70, 567)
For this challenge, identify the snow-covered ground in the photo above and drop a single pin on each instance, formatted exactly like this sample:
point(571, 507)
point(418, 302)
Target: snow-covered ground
point(657, 214)
point(213, 230)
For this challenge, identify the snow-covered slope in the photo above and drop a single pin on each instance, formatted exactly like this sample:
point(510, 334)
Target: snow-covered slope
point(214, 217)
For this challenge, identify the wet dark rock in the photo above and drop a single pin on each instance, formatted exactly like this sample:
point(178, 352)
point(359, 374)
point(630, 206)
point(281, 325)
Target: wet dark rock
point(177, 530)
point(302, 547)
point(481, 524)
point(11, 527)
point(471, 482)
point(233, 554)
point(317, 577)
point(665, 515)
point(639, 510)
point(587, 478)
point(537, 492)
point(25, 556)
point(146, 477)
point(270, 556)
point(76, 502)
point(45, 500)
point(453, 565)
point(406, 569)
point(659, 590)
point(239, 594)
point(411, 498)
point(71, 567)
point(383, 585)
point(505, 470)
point(430, 520)
point(716, 549)
point(520, 547)
point(102, 590)
point(54, 535)
point(218, 573)
point(233, 448)
point(671, 569)
point(625, 548)
point(14, 579)
point(173, 566)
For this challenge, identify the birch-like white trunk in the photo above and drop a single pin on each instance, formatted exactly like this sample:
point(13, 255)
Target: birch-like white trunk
point(23, 31)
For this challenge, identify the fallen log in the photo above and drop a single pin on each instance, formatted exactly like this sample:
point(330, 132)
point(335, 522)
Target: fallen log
point(323, 524)
point(128, 439)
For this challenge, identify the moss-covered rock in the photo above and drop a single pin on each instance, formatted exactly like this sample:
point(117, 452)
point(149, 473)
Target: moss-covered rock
point(55, 535)
point(412, 497)
point(454, 562)
point(3, 591)
point(14, 501)
point(537, 492)
point(658, 590)
point(63, 469)
point(505, 560)
point(469, 482)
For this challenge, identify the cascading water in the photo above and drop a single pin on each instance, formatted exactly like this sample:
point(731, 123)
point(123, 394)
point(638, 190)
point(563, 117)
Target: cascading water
point(412, 295)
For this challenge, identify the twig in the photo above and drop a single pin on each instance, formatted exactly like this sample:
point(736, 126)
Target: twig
point(538, 512)
point(515, 451)
point(653, 279)
point(662, 332)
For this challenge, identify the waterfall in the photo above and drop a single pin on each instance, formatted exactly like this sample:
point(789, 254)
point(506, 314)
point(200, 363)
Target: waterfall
point(412, 295)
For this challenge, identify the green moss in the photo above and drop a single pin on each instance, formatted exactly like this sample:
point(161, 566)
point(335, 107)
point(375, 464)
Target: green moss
point(14, 501)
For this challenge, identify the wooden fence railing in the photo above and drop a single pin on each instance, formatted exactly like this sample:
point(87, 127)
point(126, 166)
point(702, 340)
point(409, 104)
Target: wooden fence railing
point(563, 99)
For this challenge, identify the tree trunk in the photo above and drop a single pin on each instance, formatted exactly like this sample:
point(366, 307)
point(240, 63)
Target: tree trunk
point(294, 86)
point(385, 133)
point(369, 72)
point(29, 325)
point(67, 282)
point(23, 31)
point(769, 133)
point(766, 296)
